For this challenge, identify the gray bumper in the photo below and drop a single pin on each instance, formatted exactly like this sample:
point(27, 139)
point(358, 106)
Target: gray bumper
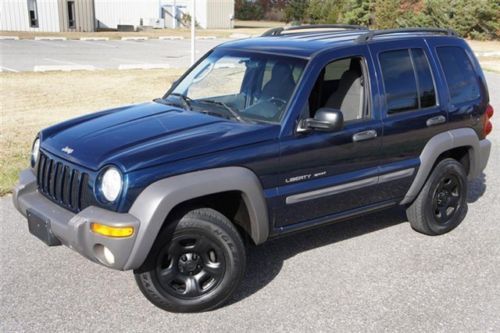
point(73, 230)
point(481, 158)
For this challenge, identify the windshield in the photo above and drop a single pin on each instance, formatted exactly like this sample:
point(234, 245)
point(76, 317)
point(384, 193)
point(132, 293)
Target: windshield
point(239, 86)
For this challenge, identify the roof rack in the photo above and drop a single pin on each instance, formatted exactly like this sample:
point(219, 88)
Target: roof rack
point(278, 31)
point(371, 34)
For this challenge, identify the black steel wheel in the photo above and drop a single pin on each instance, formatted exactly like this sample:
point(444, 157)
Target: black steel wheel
point(442, 203)
point(191, 265)
point(446, 199)
point(196, 263)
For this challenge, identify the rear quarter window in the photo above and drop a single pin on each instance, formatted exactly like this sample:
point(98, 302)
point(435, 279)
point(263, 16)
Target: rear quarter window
point(459, 73)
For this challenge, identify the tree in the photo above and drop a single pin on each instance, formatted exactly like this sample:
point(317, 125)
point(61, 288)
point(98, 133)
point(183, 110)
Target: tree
point(386, 13)
point(357, 12)
point(296, 10)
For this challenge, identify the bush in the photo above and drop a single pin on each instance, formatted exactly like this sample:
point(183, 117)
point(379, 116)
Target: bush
point(478, 19)
point(248, 10)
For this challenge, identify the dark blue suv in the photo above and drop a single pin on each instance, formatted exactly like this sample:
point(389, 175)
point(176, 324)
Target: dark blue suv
point(260, 138)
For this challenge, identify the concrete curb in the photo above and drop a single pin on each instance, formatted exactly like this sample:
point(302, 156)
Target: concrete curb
point(9, 38)
point(94, 38)
point(206, 37)
point(50, 38)
point(170, 37)
point(135, 38)
point(143, 66)
point(63, 68)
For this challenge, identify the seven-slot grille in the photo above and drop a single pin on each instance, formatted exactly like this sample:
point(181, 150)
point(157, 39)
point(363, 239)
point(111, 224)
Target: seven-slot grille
point(63, 184)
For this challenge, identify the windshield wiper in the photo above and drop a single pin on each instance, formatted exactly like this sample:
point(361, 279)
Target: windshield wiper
point(226, 107)
point(185, 100)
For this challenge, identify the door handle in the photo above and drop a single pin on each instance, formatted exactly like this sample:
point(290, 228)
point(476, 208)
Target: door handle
point(365, 135)
point(436, 121)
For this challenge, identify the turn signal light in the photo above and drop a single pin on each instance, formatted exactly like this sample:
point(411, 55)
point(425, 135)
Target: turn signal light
point(117, 232)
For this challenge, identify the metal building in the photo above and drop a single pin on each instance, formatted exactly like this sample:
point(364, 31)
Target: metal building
point(111, 13)
point(210, 14)
point(89, 15)
point(47, 15)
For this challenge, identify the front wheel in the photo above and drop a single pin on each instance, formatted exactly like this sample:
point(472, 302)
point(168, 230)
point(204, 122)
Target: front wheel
point(198, 263)
point(442, 203)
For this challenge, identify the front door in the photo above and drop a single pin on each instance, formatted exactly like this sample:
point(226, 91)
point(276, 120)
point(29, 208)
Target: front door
point(325, 174)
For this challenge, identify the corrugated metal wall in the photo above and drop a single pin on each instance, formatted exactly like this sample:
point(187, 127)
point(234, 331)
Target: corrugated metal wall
point(219, 14)
point(14, 15)
point(84, 15)
point(110, 13)
point(210, 14)
point(53, 14)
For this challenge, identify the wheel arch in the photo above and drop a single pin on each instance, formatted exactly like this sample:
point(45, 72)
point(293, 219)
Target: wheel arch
point(159, 199)
point(456, 143)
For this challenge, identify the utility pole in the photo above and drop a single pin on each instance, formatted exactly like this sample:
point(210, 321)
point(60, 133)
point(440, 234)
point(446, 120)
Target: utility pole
point(193, 27)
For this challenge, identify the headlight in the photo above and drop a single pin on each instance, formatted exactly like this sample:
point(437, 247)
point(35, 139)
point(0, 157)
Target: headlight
point(35, 152)
point(111, 184)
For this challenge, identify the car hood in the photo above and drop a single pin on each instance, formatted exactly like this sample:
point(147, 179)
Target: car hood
point(148, 134)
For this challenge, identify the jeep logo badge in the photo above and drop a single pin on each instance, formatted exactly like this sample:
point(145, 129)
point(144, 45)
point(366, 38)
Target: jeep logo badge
point(67, 150)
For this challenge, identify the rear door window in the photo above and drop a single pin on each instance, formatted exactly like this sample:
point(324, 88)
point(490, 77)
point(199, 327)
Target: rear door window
point(426, 90)
point(399, 81)
point(408, 81)
point(459, 73)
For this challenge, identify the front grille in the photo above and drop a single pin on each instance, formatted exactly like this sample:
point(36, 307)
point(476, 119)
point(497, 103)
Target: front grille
point(63, 184)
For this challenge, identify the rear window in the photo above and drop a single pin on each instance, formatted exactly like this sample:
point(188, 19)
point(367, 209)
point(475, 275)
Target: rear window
point(459, 73)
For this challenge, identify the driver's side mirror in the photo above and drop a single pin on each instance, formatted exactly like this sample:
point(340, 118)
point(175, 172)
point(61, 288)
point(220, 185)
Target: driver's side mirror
point(325, 120)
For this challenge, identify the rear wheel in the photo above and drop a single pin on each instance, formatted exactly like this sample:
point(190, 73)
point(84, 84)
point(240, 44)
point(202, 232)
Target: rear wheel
point(442, 203)
point(197, 265)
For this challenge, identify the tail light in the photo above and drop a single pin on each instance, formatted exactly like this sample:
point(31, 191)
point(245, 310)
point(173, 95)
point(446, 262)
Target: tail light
point(488, 126)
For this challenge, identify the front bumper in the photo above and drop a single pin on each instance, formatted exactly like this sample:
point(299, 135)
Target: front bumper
point(73, 230)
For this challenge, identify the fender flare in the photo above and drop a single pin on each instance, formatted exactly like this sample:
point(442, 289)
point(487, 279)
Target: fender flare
point(462, 137)
point(154, 204)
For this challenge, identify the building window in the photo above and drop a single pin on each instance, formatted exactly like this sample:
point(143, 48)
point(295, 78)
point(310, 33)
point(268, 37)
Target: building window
point(71, 15)
point(33, 13)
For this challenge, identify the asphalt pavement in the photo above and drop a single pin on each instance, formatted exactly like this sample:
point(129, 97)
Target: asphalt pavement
point(40, 55)
point(371, 274)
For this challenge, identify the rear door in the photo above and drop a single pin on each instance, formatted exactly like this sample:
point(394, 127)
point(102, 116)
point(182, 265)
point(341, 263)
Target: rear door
point(412, 110)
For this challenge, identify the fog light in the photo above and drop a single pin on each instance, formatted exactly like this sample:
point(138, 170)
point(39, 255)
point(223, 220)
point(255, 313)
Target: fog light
point(104, 254)
point(108, 255)
point(108, 231)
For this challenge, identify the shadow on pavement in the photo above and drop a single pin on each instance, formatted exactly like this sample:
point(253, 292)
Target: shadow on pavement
point(477, 187)
point(264, 262)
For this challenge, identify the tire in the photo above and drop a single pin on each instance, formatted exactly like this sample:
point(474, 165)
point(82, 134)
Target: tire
point(442, 203)
point(199, 260)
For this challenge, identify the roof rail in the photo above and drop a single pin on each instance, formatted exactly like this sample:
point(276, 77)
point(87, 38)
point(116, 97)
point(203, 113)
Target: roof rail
point(371, 34)
point(278, 31)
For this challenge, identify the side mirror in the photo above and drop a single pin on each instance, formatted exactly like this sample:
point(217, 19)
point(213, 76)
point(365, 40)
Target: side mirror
point(325, 120)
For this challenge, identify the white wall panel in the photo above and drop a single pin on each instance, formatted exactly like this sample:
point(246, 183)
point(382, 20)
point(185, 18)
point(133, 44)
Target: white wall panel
point(110, 13)
point(219, 14)
point(14, 16)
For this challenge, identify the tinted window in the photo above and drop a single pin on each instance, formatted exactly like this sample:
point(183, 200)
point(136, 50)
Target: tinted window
point(399, 81)
point(334, 70)
point(459, 74)
point(424, 76)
